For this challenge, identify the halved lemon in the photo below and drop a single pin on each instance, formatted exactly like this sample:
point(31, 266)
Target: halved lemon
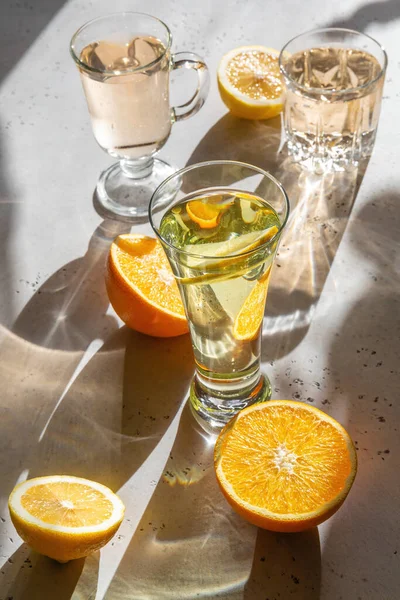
point(65, 517)
point(250, 82)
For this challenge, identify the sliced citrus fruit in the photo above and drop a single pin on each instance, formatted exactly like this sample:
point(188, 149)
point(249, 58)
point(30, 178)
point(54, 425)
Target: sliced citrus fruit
point(142, 288)
point(250, 82)
point(249, 320)
point(65, 517)
point(285, 465)
point(204, 214)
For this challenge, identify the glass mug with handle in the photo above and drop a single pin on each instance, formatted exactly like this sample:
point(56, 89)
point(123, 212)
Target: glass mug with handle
point(124, 60)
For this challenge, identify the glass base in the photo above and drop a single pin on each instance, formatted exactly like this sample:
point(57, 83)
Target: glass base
point(327, 158)
point(124, 190)
point(213, 408)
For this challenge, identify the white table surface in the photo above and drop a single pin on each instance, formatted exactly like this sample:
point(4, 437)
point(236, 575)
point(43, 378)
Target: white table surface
point(83, 395)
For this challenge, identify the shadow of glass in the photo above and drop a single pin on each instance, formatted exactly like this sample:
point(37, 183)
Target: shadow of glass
point(115, 412)
point(253, 142)
point(30, 576)
point(46, 349)
point(189, 543)
point(285, 566)
point(320, 209)
point(150, 402)
point(364, 360)
point(365, 15)
point(109, 419)
point(70, 309)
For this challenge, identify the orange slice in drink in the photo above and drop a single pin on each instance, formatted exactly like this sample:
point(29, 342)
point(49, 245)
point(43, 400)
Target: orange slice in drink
point(142, 288)
point(285, 465)
point(250, 317)
point(205, 214)
point(250, 83)
point(65, 517)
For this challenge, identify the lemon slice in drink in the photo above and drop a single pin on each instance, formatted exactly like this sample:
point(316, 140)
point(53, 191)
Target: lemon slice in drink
point(231, 253)
point(250, 83)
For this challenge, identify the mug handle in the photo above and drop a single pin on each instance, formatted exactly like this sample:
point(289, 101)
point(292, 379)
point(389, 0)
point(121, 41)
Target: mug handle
point(189, 60)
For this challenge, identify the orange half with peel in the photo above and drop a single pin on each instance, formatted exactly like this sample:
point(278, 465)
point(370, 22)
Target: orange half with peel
point(285, 465)
point(142, 288)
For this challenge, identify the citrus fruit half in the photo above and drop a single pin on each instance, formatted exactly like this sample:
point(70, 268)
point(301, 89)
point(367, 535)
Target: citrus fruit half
point(284, 465)
point(250, 83)
point(142, 288)
point(65, 517)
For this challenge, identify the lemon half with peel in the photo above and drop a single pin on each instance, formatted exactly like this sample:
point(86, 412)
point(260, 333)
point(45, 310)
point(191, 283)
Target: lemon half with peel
point(250, 82)
point(65, 517)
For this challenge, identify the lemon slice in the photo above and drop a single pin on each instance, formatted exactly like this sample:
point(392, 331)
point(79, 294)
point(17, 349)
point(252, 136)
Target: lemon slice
point(65, 517)
point(229, 264)
point(250, 82)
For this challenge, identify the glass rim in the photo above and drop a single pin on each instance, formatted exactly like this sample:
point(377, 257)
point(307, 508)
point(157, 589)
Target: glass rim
point(87, 67)
point(324, 90)
point(184, 170)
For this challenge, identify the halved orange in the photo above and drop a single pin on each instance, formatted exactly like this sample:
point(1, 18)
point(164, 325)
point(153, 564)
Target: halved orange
point(285, 465)
point(250, 83)
point(142, 288)
point(65, 517)
point(249, 320)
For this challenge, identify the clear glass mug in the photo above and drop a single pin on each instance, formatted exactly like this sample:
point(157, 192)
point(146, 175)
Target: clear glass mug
point(124, 60)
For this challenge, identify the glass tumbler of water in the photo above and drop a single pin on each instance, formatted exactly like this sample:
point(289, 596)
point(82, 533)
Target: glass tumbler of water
point(334, 80)
point(125, 61)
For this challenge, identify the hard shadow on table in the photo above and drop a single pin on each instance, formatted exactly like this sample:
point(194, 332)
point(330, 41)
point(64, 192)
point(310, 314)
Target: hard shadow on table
point(30, 576)
point(43, 352)
point(98, 419)
point(364, 368)
point(189, 543)
point(231, 138)
point(69, 310)
point(109, 420)
point(20, 25)
point(8, 210)
point(369, 13)
point(320, 209)
point(116, 410)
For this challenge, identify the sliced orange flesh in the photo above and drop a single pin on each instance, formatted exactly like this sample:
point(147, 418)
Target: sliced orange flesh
point(142, 288)
point(285, 465)
point(204, 214)
point(67, 504)
point(143, 263)
point(250, 318)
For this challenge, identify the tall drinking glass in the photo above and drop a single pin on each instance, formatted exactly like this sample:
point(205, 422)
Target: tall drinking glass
point(334, 81)
point(220, 223)
point(124, 61)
